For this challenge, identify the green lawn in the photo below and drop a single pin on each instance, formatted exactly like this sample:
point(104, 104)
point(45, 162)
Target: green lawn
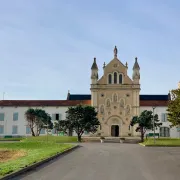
point(162, 142)
point(34, 151)
point(56, 139)
point(11, 139)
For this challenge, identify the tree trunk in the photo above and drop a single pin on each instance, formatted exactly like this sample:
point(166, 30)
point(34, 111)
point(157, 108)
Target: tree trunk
point(142, 134)
point(79, 138)
point(32, 132)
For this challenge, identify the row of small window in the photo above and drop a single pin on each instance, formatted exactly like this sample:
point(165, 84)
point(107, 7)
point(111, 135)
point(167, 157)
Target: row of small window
point(15, 130)
point(15, 116)
point(115, 78)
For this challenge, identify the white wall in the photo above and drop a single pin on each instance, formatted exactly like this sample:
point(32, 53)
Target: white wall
point(21, 122)
point(159, 110)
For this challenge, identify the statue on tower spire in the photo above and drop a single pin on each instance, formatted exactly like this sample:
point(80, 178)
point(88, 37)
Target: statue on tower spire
point(115, 51)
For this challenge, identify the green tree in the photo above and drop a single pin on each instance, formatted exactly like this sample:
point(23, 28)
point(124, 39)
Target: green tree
point(37, 120)
point(82, 118)
point(31, 119)
point(43, 121)
point(174, 108)
point(145, 122)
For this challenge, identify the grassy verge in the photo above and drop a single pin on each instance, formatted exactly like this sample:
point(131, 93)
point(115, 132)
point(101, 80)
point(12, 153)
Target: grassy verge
point(162, 142)
point(55, 139)
point(33, 151)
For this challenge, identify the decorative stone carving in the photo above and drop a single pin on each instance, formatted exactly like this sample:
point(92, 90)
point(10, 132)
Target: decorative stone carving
point(122, 103)
point(115, 121)
point(109, 113)
point(108, 103)
point(115, 98)
point(102, 109)
point(128, 110)
point(115, 107)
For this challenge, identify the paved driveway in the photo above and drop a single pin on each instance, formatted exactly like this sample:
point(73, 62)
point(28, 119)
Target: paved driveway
point(112, 161)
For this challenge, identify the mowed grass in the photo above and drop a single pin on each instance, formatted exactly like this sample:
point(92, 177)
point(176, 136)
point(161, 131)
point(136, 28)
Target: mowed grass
point(11, 139)
point(55, 139)
point(162, 142)
point(34, 151)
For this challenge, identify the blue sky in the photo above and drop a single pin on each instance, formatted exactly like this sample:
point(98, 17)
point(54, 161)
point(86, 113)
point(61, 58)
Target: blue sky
point(47, 46)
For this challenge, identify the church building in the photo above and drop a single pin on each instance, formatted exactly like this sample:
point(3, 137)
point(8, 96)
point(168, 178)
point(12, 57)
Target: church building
point(115, 95)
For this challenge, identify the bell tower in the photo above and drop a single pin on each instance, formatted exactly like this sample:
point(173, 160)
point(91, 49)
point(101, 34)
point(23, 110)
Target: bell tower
point(94, 80)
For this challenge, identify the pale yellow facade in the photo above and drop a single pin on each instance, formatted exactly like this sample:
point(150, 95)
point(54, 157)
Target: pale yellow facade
point(116, 97)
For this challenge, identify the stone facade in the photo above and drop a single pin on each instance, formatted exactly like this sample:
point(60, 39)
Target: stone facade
point(116, 97)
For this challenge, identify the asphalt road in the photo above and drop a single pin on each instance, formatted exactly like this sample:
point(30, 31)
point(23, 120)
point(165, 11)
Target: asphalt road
point(112, 161)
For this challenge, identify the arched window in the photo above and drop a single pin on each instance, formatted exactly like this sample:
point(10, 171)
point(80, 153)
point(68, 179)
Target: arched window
point(120, 79)
point(164, 132)
point(110, 79)
point(115, 78)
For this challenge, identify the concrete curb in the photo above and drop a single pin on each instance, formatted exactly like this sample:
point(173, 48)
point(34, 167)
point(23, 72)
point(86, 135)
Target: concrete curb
point(142, 144)
point(158, 146)
point(17, 173)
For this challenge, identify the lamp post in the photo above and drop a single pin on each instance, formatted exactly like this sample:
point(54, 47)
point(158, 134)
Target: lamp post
point(154, 124)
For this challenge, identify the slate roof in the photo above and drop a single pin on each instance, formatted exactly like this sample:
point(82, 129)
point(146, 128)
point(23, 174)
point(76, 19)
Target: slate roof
point(142, 97)
point(79, 97)
point(85, 99)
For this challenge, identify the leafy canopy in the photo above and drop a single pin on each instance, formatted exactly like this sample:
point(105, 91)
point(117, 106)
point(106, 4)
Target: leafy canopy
point(82, 118)
point(145, 122)
point(38, 119)
point(174, 108)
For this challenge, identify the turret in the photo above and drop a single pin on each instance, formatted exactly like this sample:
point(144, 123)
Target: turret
point(136, 72)
point(94, 72)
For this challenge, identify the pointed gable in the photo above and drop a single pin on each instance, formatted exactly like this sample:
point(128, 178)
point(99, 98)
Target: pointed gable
point(115, 65)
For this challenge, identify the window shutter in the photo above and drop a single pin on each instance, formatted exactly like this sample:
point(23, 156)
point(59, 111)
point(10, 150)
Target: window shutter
point(28, 130)
point(1, 129)
point(15, 116)
point(60, 116)
point(53, 116)
point(1, 116)
point(162, 117)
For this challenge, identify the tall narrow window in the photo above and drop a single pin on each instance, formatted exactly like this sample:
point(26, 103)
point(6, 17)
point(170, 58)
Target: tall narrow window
point(14, 129)
point(120, 79)
point(28, 130)
point(15, 116)
point(110, 79)
point(1, 116)
point(115, 78)
point(1, 129)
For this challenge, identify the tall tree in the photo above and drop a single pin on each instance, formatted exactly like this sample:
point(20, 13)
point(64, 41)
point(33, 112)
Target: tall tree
point(37, 120)
point(31, 119)
point(145, 122)
point(82, 118)
point(174, 108)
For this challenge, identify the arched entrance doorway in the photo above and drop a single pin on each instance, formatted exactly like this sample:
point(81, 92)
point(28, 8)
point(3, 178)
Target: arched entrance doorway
point(115, 130)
